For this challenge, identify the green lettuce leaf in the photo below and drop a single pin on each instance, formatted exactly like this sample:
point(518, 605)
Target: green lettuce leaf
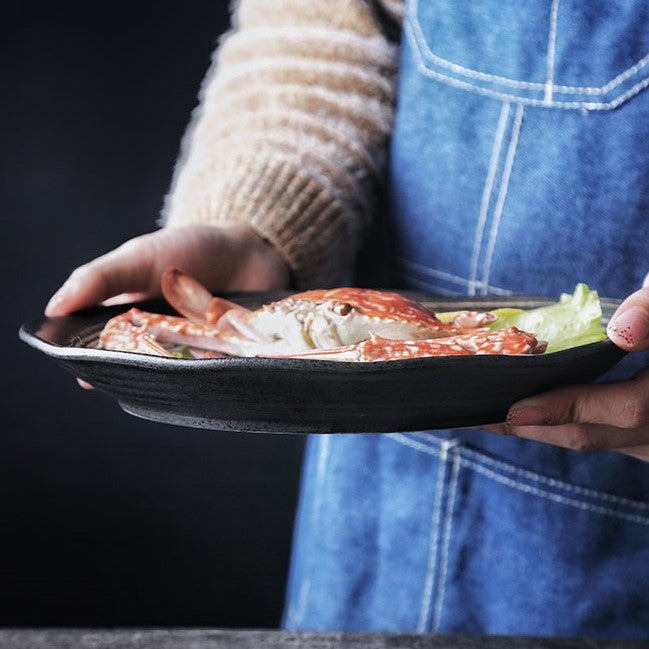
point(183, 352)
point(572, 321)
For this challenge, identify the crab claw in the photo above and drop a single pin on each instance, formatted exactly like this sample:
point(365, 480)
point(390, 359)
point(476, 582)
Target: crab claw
point(191, 298)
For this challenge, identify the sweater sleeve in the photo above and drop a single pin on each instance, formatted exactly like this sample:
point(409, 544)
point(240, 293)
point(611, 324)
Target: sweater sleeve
point(291, 129)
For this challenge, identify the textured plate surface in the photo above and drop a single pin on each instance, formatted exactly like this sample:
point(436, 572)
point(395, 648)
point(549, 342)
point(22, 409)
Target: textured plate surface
point(302, 396)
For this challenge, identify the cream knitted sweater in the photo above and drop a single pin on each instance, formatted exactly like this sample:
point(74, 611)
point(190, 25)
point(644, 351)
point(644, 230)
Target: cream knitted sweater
point(291, 129)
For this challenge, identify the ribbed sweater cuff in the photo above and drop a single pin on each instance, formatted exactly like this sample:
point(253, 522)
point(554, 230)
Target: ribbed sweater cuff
point(290, 209)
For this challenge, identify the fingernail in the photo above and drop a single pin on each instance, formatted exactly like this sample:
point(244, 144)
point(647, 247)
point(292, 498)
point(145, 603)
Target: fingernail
point(630, 326)
point(54, 302)
point(58, 298)
point(528, 416)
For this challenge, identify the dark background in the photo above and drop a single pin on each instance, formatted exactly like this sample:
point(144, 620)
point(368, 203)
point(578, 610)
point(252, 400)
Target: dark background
point(106, 519)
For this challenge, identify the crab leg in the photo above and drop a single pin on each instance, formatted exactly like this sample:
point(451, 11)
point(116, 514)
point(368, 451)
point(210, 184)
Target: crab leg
point(506, 341)
point(118, 333)
point(123, 335)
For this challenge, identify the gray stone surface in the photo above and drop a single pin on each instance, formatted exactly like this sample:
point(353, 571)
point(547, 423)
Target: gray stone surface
point(225, 639)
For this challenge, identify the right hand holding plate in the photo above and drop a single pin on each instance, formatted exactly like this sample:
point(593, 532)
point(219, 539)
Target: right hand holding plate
point(612, 416)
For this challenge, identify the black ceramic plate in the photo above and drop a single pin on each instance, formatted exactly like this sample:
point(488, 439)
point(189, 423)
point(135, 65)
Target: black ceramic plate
point(302, 396)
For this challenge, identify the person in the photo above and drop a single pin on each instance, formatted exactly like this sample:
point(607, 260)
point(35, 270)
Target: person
point(514, 139)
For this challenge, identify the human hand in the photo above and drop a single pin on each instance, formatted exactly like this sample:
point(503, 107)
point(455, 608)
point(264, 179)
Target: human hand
point(613, 416)
point(228, 257)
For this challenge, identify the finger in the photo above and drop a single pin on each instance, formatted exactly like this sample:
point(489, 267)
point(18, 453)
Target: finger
point(638, 452)
point(629, 326)
point(497, 429)
point(125, 269)
point(559, 436)
point(125, 298)
point(622, 405)
point(85, 385)
point(584, 437)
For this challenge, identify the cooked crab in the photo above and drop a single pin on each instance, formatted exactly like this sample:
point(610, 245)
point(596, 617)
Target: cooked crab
point(337, 324)
point(317, 319)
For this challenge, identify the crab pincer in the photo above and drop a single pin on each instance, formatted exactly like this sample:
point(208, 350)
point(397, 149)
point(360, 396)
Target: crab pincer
point(189, 297)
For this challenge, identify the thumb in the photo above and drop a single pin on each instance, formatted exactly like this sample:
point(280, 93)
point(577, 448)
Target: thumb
point(127, 269)
point(629, 326)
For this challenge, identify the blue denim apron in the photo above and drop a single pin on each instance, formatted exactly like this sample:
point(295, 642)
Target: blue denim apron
point(519, 164)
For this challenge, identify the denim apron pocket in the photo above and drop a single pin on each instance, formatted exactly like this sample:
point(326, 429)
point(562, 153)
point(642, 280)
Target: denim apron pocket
point(503, 555)
point(422, 532)
point(551, 53)
point(506, 176)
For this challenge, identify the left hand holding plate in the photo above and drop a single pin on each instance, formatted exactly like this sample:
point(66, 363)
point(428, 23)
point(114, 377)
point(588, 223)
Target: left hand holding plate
point(613, 416)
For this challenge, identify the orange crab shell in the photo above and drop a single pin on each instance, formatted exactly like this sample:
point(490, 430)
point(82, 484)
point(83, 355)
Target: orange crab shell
point(373, 304)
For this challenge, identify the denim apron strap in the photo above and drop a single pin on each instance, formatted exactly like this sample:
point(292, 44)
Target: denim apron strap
point(519, 164)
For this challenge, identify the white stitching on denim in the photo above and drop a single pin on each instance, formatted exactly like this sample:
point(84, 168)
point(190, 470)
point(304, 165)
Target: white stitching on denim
point(486, 195)
point(323, 457)
point(296, 614)
point(502, 196)
point(446, 540)
point(623, 76)
point(418, 446)
point(552, 41)
point(433, 288)
point(440, 274)
point(502, 96)
point(527, 85)
point(460, 69)
point(431, 564)
point(530, 475)
point(629, 93)
point(563, 500)
point(495, 290)
point(438, 439)
point(557, 484)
